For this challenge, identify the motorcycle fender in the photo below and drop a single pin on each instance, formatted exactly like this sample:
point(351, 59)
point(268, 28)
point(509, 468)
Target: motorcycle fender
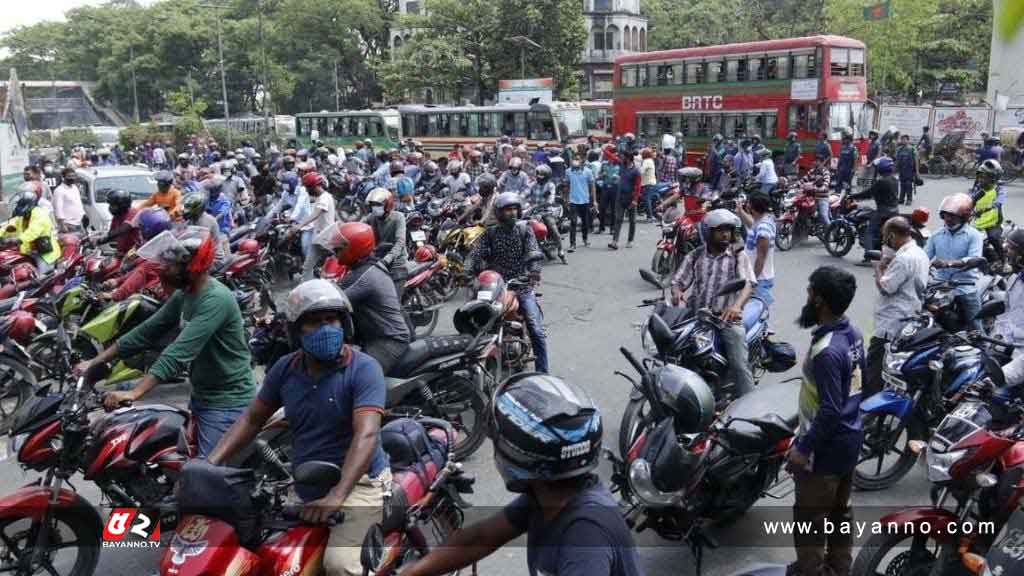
point(32, 500)
point(105, 325)
point(398, 388)
point(888, 402)
point(934, 522)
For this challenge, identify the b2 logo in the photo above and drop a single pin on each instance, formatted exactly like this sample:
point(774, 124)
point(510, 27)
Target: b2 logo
point(132, 528)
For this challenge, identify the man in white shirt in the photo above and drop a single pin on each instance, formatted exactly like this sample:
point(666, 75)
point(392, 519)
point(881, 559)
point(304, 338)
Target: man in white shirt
point(159, 157)
point(766, 175)
point(67, 203)
point(320, 218)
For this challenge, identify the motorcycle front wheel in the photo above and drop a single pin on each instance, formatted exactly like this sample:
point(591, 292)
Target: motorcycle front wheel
point(17, 382)
point(884, 459)
point(661, 263)
point(73, 543)
point(634, 419)
point(839, 238)
point(784, 237)
point(892, 554)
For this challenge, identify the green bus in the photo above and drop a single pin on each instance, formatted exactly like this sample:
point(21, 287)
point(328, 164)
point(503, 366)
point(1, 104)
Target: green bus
point(346, 127)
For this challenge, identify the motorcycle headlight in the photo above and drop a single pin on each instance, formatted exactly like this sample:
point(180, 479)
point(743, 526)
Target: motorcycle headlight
point(702, 342)
point(939, 463)
point(643, 485)
point(894, 362)
point(15, 444)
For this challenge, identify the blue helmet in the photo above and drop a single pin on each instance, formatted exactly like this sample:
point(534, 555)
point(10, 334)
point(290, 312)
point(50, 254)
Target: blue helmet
point(884, 165)
point(289, 182)
point(153, 221)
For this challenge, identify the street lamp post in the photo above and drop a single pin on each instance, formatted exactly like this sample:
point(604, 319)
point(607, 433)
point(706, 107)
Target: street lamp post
point(223, 74)
point(135, 91)
point(523, 42)
point(263, 65)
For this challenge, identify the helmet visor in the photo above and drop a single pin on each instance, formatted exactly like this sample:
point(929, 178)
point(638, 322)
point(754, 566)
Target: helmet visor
point(167, 240)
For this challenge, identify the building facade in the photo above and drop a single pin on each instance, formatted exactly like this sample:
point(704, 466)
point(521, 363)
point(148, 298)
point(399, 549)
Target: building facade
point(1006, 77)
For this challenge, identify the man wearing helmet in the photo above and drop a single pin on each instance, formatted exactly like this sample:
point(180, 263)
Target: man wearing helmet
point(988, 205)
point(571, 520)
point(388, 228)
point(457, 182)
point(883, 192)
point(122, 231)
point(146, 274)
point(950, 247)
point(194, 213)
point(791, 158)
point(1009, 325)
point(211, 347)
point(702, 275)
point(515, 178)
point(511, 249)
point(167, 196)
point(542, 193)
point(481, 208)
point(218, 204)
point(380, 327)
point(321, 217)
point(34, 230)
point(431, 180)
point(334, 398)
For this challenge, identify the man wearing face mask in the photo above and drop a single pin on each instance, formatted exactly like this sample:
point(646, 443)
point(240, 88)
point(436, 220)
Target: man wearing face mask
point(333, 397)
point(389, 228)
point(515, 178)
point(702, 275)
point(901, 279)
point(951, 247)
point(211, 347)
point(67, 203)
point(511, 249)
point(570, 519)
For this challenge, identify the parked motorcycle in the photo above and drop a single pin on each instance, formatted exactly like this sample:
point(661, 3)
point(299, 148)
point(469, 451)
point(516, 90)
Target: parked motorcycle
point(678, 238)
point(851, 225)
point(676, 481)
point(17, 379)
point(800, 219)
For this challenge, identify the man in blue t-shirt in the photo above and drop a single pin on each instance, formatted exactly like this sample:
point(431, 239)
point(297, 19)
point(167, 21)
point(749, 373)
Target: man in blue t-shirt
point(581, 200)
point(547, 435)
point(333, 398)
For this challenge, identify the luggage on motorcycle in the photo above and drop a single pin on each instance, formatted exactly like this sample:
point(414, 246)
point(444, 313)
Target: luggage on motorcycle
point(411, 448)
point(670, 462)
point(220, 492)
point(781, 356)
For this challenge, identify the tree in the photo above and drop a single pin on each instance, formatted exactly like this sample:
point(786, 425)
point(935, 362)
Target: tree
point(439, 63)
point(556, 25)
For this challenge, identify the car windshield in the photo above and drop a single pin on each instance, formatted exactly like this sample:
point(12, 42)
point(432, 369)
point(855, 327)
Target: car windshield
point(140, 186)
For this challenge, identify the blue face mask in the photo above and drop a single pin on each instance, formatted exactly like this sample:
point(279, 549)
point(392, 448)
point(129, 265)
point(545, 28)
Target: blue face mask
point(324, 344)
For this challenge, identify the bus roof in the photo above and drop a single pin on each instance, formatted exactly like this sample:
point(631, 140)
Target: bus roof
point(381, 112)
point(426, 109)
point(743, 48)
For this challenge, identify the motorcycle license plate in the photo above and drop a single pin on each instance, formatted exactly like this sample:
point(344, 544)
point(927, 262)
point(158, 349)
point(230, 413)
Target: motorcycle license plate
point(484, 295)
point(419, 236)
point(893, 382)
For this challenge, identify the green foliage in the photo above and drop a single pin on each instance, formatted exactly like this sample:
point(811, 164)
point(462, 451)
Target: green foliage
point(439, 63)
point(68, 139)
point(136, 134)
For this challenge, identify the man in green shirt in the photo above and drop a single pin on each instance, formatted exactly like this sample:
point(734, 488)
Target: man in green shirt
point(211, 345)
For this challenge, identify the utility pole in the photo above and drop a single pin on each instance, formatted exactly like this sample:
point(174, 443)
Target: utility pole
point(223, 73)
point(337, 93)
point(135, 90)
point(263, 65)
point(523, 43)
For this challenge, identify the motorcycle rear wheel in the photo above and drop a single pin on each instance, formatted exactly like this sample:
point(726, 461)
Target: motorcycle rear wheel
point(839, 239)
point(661, 263)
point(784, 237)
point(19, 535)
point(878, 428)
point(457, 399)
point(17, 382)
point(917, 559)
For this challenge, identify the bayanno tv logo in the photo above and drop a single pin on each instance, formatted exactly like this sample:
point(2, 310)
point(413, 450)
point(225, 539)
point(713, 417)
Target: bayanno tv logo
point(132, 528)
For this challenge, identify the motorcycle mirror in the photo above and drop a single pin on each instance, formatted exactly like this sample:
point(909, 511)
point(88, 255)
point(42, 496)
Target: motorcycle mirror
point(317, 474)
point(650, 278)
point(873, 255)
point(734, 286)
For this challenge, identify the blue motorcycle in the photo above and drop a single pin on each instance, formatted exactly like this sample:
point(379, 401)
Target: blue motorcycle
point(926, 369)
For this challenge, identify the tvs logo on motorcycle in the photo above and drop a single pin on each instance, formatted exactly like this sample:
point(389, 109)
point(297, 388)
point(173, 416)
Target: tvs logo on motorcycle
point(132, 528)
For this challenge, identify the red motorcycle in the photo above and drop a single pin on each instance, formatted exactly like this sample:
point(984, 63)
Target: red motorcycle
point(975, 459)
point(264, 536)
point(19, 272)
point(800, 219)
point(678, 238)
point(17, 379)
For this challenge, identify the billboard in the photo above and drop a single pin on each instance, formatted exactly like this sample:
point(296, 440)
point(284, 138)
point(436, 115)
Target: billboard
point(973, 121)
point(526, 89)
point(906, 119)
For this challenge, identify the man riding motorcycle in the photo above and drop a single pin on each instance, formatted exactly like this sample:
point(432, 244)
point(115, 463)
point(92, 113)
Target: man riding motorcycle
point(119, 202)
point(193, 213)
point(510, 249)
point(481, 209)
point(35, 232)
point(211, 346)
point(166, 196)
point(457, 181)
point(150, 222)
point(1009, 325)
point(543, 193)
point(954, 245)
point(389, 228)
point(333, 397)
point(988, 213)
point(431, 180)
point(884, 191)
point(515, 178)
point(703, 273)
point(380, 326)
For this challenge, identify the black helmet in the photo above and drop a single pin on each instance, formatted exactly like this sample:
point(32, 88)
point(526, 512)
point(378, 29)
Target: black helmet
point(164, 178)
point(486, 182)
point(686, 396)
point(194, 205)
point(544, 429)
point(119, 202)
point(25, 202)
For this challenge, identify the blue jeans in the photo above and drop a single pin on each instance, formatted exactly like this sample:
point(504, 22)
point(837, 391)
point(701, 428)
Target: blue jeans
point(647, 199)
point(535, 327)
point(823, 212)
point(759, 301)
point(971, 306)
point(211, 424)
point(767, 188)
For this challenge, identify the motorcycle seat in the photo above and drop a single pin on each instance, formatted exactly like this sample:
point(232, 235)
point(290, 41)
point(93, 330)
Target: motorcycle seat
point(225, 264)
point(424, 349)
point(774, 406)
point(416, 268)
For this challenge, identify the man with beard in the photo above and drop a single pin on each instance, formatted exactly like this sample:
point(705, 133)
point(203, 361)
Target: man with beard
point(211, 347)
point(826, 449)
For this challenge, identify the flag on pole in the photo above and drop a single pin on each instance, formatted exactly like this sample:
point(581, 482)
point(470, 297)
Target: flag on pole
point(877, 11)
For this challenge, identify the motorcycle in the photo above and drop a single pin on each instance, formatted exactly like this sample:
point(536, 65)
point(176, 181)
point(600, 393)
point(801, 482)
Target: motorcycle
point(800, 219)
point(543, 219)
point(16, 375)
point(720, 471)
point(419, 300)
point(976, 460)
point(678, 238)
point(851, 224)
point(1004, 556)
point(925, 372)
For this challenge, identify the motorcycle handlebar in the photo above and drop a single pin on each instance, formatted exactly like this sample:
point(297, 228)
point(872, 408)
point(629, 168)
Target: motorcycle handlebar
point(632, 360)
point(292, 513)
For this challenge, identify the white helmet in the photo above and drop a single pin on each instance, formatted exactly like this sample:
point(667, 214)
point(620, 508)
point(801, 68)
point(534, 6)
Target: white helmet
point(315, 296)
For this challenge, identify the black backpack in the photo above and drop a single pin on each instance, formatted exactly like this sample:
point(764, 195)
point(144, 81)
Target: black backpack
point(410, 448)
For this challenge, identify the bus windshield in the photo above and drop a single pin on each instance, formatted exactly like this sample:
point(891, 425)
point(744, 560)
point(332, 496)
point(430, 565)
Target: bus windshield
point(848, 116)
point(542, 125)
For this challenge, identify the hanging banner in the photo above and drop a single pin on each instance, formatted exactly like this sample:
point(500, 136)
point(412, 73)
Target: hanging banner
point(972, 121)
point(906, 119)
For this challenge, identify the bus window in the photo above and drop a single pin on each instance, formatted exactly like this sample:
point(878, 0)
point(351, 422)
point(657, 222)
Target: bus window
point(844, 116)
point(474, 125)
point(741, 71)
point(519, 126)
point(771, 125)
point(372, 128)
point(628, 76)
point(729, 125)
point(840, 62)
point(856, 62)
point(409, 125)
point(542, 127)
point(732, 70)
point(702, 125)
point(715, 124)
point(812, 118)
point(392, 132)
point(693, 73)
point(339, 126)
point(302, 127)
point(800, 66)
point(432, 124)
point(812, 64)
point(664, 75)
point(641, 76)
point(756, 67)
point(781, 67)
point(714, 72)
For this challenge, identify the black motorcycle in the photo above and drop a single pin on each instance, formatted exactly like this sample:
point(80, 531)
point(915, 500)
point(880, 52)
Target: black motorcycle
point(677, 481)
point(851, 226)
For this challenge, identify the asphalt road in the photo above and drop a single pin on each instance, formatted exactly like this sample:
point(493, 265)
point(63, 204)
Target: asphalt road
point(590, 310)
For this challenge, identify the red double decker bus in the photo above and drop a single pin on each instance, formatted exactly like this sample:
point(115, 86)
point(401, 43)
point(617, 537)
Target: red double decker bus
point(806, 85)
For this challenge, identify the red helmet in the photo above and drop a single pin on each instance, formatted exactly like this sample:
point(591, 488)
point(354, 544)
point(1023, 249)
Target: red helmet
point(69, 244)
point(539, 230)
point(312, 180)
point(920, 216)
point(426, 253)
point(23, 272)
point(349, 241)
point(20, 326)
point(248, 246)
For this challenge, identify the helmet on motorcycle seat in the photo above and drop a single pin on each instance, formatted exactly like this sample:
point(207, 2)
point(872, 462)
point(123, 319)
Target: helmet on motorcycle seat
point(430, 168)
point(990, 167)
point(312, 180)
point(23, 272)
point(426, 253)
point(686, 396)
point(474, 315)
point(396, 167)
point(884, 165)
point(691, 173)
point(959, 204)
point(193, 206)
point(164, 178)
point(248, 246)
point(454, 166)
point(350, 242)
point(515, 163)
point(544, 429)
point(543, 172)
point(486, 182)
point(119, 202)
point(152, 221)
point(315, 296)
point(20, 326)
point(381, 196)
point(25, 203)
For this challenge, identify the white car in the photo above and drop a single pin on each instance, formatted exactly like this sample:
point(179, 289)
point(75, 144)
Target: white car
point(96, 183)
